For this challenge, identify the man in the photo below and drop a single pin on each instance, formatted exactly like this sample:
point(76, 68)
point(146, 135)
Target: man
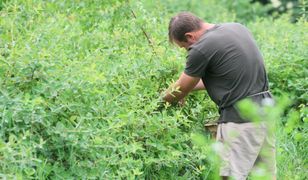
point(225, 60)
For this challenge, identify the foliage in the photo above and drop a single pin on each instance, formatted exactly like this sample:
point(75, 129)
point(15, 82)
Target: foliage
point(297, 8)
point(286, 56)
point(80, 86)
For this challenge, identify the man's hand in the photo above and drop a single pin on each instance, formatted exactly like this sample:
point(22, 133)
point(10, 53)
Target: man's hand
point(181, 88)
point(182, 102)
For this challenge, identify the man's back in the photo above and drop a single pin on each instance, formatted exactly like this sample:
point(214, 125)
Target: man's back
point(230, 64)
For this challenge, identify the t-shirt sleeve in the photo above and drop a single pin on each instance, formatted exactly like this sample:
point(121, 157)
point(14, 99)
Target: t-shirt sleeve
point(196, 63)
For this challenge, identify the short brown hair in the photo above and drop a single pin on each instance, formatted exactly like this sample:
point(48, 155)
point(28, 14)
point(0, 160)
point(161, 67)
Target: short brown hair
point(182, 23)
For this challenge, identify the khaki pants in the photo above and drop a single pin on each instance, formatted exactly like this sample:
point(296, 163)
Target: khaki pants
point(246, 147)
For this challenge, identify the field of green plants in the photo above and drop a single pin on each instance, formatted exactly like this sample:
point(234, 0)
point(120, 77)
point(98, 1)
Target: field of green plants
point(80, 89)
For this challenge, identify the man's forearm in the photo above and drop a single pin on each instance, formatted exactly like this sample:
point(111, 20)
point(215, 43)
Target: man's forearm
point(174, 94)
point(181, 88)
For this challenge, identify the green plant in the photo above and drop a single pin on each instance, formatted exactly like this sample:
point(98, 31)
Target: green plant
point(80, 86)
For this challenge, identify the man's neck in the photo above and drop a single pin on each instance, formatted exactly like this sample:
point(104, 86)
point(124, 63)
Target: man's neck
point(207, 26)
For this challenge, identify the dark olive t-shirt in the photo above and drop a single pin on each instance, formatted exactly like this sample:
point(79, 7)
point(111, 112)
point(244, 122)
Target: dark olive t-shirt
point(231, 66)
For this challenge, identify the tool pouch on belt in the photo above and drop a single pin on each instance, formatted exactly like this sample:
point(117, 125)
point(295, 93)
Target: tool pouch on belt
point(211, 127)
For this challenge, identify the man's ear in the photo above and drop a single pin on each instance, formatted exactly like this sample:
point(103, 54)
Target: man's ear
point(189, 36)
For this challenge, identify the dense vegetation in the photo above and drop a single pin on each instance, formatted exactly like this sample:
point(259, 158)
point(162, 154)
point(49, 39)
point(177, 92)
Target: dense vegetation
point(80, 88)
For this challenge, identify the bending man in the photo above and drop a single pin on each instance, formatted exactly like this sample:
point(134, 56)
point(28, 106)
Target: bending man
point(225, 59)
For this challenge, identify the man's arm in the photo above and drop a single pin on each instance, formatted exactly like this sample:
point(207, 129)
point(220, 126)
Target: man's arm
point(199, 86)
point(183, 86)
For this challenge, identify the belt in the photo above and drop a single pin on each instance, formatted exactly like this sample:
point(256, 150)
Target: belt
point(253, 95)
point(259, 93)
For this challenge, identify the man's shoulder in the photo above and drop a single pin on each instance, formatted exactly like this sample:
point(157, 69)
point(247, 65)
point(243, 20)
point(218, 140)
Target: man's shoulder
point(227, 24)
point(215, 37)
point(221, 31)
point(234, 26)
point(226, 27)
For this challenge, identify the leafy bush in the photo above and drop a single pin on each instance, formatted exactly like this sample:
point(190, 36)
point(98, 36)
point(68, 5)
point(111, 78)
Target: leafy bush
point(80, 87)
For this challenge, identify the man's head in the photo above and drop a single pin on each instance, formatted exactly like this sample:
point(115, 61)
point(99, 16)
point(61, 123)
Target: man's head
point(185, 29)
